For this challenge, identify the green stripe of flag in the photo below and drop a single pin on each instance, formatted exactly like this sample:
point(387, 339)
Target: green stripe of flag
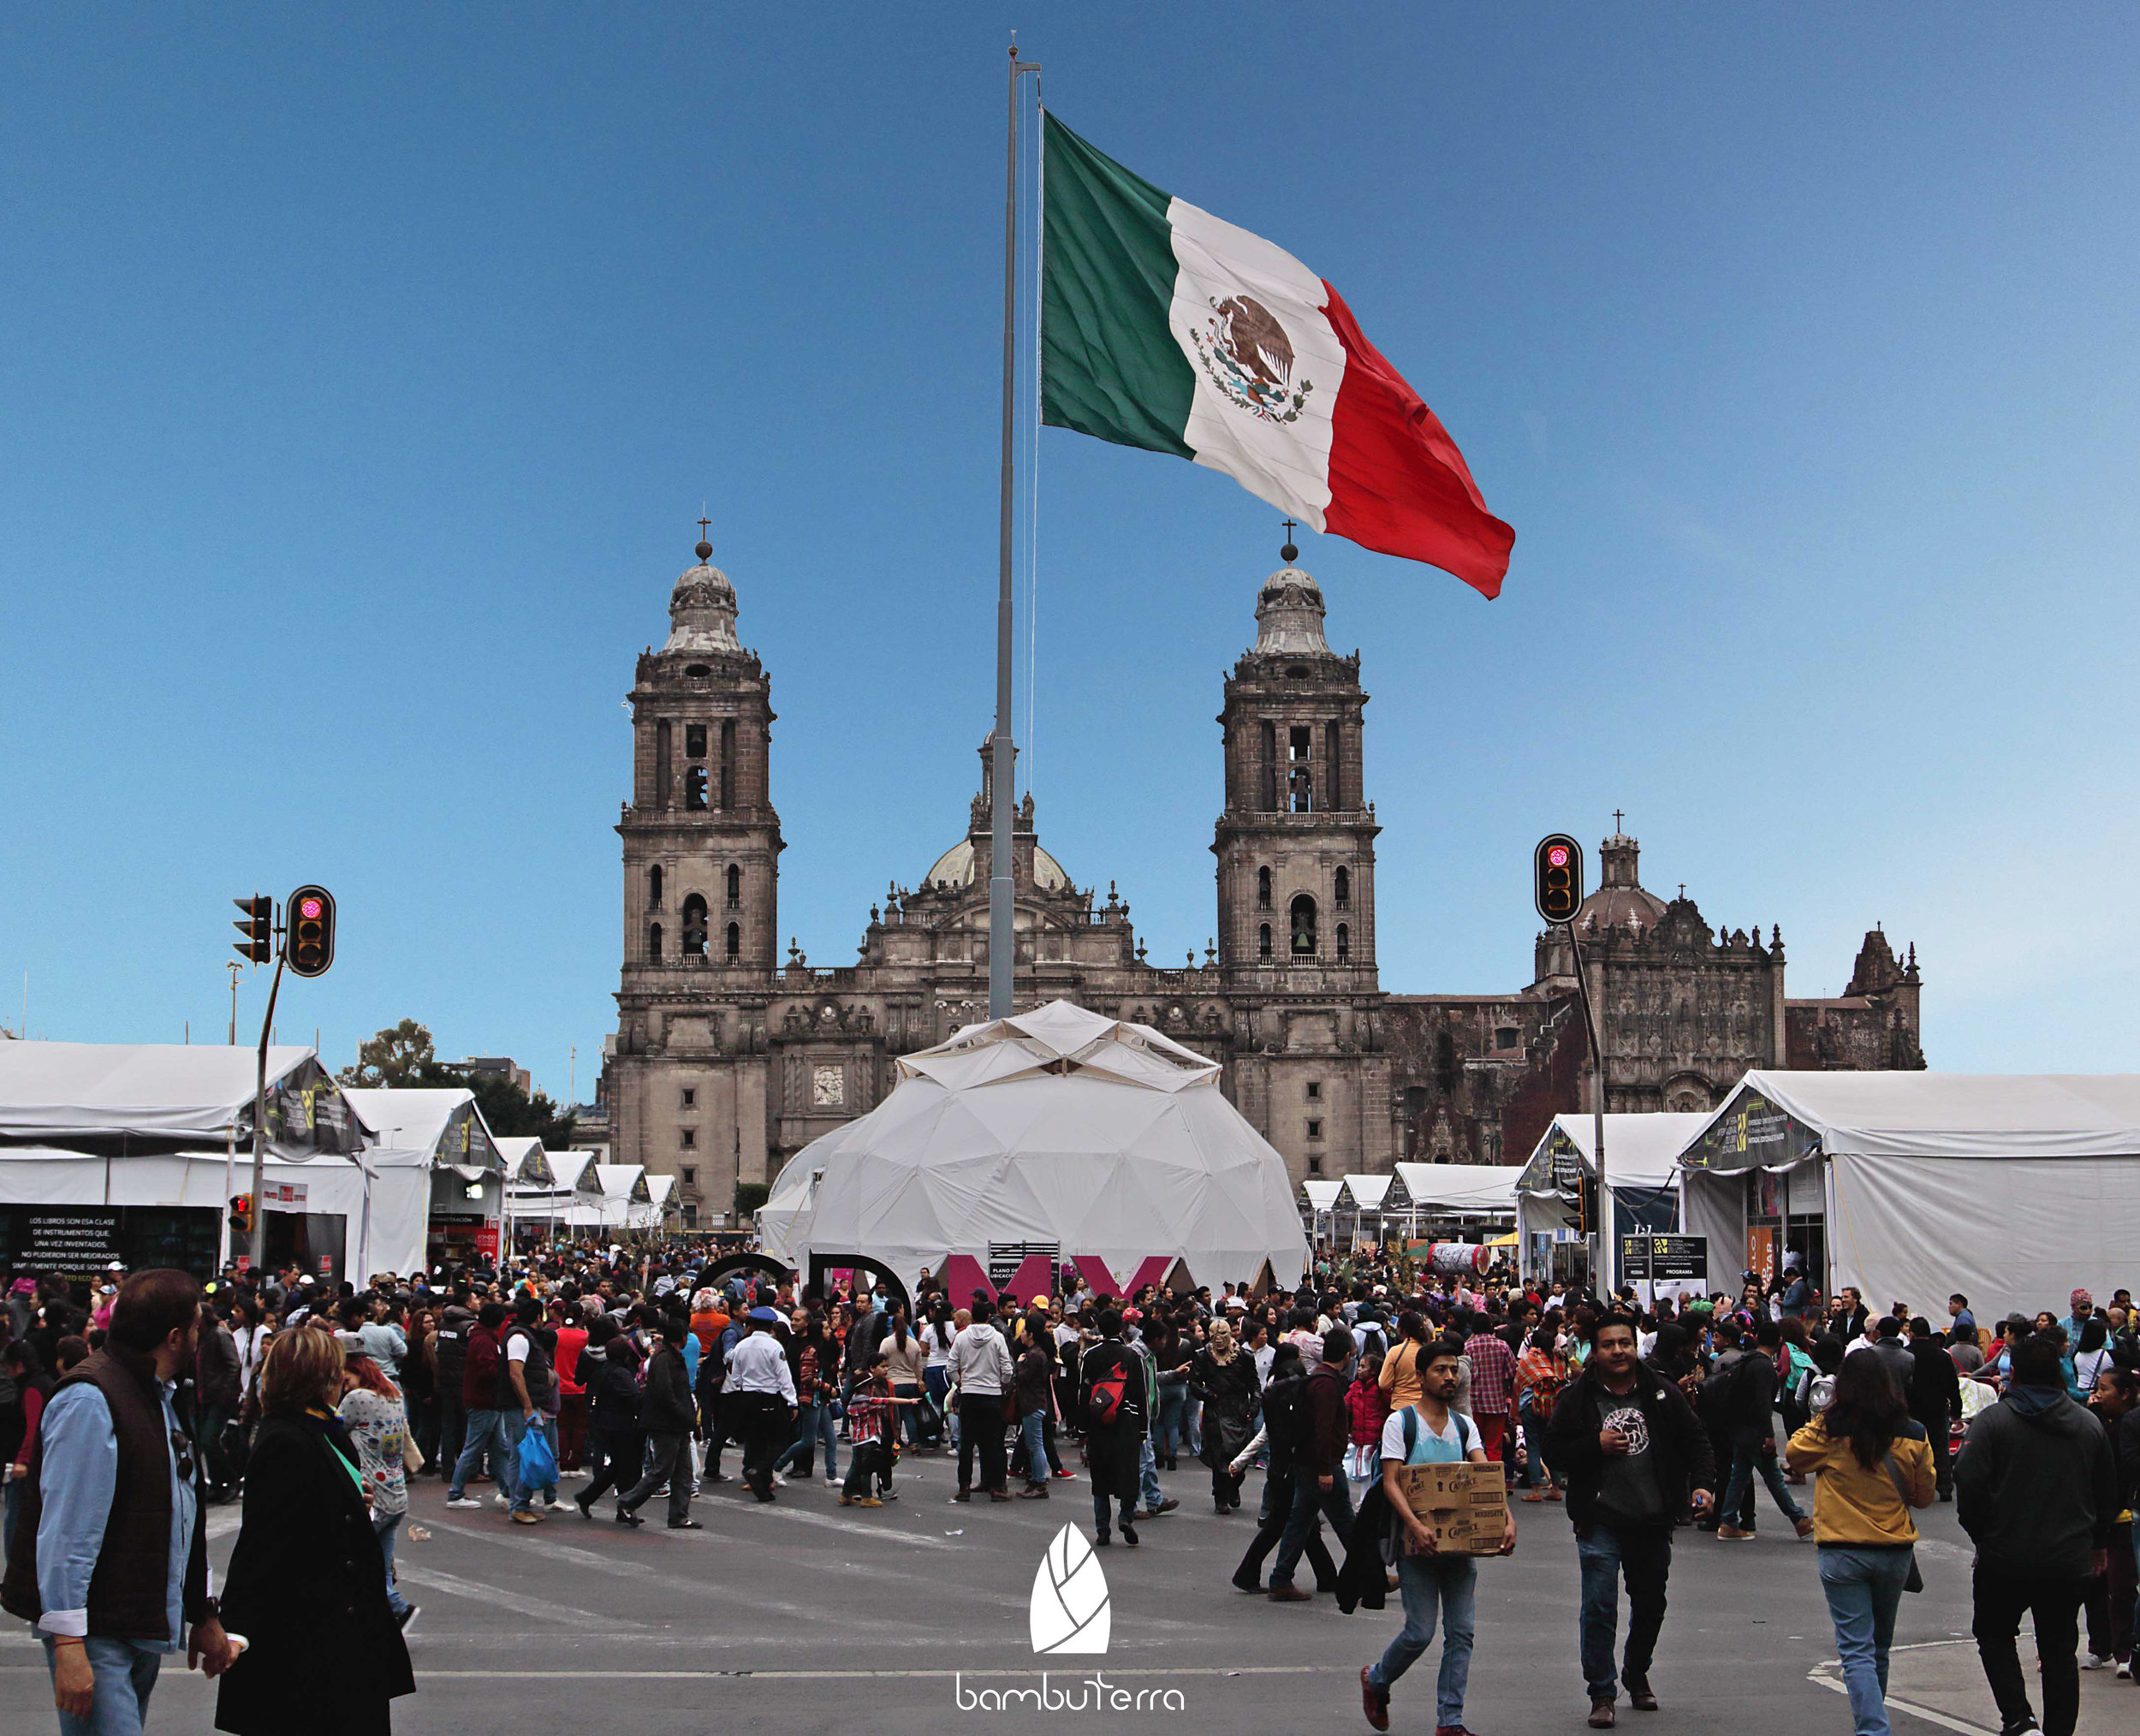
point(1109, 366)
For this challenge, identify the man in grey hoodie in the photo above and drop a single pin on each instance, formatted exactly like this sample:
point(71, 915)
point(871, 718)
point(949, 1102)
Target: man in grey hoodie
point(2036, 1490)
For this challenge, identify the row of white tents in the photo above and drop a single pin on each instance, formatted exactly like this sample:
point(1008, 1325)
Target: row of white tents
point(135, 1151)
point(2011, 1189)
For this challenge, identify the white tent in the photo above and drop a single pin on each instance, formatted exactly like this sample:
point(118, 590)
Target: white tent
point(1456, 1190)
point(1357, 1215)
point(156, 1092)
point(383, 1222)
point(572, 1182)
point(1056, 1132)
point(1321, 1194)
point(2011, 1188)
point(1642, 1155)
point(653, 1215)
point(790, 1188)
point(621, 1191)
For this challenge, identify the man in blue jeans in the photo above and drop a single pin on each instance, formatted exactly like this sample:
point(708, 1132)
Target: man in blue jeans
point(1320, 1488)
point(1430, 1584)
point(498, 1411)
point(1749, 1402)
point(1630, 1447)
point(110, 1558)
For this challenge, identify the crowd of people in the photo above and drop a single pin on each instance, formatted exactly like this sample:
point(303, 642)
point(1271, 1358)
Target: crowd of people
point(587, 1376)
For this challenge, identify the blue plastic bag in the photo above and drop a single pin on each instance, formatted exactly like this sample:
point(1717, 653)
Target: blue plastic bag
point(539, 1465)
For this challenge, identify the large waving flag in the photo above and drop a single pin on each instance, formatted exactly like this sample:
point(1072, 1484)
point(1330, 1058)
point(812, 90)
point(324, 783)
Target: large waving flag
point(1163, 327)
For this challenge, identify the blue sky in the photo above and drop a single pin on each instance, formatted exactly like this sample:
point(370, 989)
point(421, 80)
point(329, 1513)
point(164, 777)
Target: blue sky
point(365, 376)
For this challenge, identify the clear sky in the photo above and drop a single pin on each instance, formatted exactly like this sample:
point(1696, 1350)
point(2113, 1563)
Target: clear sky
point(364, 378)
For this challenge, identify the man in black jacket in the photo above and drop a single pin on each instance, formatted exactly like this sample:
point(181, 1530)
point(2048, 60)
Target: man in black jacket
point(1320, 1488)
point(2036, 1490)
point(1746, 1404)
point(1630, 1447)
point(668, 1414)
point(1935, 1399)
point(455, 1322)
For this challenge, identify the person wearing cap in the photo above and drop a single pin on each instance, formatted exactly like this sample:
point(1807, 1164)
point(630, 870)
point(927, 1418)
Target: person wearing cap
point(758, 1398)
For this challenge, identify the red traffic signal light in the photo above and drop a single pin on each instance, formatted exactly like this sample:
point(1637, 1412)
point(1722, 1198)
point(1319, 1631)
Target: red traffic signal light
point(1557, 879)
point(311, 915)
point(258, 926)
point(241, 1214)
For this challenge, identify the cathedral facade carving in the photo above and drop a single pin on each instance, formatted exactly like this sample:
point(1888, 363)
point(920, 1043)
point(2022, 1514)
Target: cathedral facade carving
point(728, 1057)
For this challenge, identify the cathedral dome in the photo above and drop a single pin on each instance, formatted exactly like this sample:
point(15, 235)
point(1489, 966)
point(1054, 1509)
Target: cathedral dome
point(956, 865)
point(1620, 901)
point(1289, 615)
point(702, 609)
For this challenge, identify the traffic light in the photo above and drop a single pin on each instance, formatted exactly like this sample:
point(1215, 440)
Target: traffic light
point(240, 1215)
point(1557, 881)
point(258, 926)
point(311, 915)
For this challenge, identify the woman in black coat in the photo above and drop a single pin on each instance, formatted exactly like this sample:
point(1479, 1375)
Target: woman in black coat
point(307, 1584)
point(1223, 1377)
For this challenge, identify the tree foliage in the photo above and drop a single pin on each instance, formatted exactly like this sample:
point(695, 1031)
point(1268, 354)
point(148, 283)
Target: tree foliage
point(403, 1056)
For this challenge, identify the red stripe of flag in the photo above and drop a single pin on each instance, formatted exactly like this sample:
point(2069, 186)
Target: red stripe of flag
point(1398, 484)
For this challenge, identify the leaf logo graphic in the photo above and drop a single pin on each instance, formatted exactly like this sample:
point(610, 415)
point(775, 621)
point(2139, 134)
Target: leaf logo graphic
point(1070, 1600)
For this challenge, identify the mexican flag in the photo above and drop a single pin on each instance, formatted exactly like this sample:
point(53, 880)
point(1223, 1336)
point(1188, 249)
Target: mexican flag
point(1163, 327)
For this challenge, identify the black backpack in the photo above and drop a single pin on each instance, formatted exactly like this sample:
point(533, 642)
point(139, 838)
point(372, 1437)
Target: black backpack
point(1286, 1420)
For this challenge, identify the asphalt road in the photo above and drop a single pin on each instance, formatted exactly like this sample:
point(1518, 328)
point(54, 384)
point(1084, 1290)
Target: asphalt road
point(805, 1616)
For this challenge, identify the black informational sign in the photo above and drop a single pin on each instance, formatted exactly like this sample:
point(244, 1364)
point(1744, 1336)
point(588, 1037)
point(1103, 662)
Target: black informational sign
point(1664, 1259)
point(78, 1243)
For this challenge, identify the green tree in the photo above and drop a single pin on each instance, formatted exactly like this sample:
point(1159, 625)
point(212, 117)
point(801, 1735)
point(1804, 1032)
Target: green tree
point(749, 1195)
point(398, 1055)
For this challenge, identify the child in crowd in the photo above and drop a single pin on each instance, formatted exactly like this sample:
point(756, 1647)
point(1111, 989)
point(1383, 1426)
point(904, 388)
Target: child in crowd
point(869, 1414)
point(1368, 1407)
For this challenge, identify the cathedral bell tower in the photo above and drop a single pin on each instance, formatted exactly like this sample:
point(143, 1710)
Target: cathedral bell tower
point(1296, 890)
point(702, 850)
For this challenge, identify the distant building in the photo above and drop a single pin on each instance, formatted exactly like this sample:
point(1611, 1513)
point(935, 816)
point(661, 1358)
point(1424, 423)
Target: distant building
point(500, 1066)
point(727, 1059)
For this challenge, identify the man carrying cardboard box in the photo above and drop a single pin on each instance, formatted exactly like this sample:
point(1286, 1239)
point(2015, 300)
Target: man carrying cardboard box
point(1433, 1577)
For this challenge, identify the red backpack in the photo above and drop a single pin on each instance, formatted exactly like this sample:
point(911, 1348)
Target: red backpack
point(1104, 1403)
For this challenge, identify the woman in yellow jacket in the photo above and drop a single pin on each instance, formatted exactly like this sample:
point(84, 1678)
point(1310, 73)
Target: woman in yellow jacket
point(1872, 1460)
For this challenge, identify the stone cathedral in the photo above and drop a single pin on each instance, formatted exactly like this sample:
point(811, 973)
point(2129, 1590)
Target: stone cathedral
point(728, 1058)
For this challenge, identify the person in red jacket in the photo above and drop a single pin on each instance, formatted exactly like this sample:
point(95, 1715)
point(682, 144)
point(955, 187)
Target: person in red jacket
point(1368, 1409)
point(572, 1394)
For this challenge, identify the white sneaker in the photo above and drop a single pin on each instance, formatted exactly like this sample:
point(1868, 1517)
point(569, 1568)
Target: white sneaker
point(2096, 1661)
point(462, 1503)
point(501, 1501)
point(779, 1482)
point(832, 1482)
point(552, 1506)
point(2125, 1672)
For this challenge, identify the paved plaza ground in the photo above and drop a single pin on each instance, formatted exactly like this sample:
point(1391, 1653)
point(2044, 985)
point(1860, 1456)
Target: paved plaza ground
point(806, 1617)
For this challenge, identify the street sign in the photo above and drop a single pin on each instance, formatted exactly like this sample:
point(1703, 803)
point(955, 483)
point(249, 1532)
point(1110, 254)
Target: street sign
point(1664, 1259)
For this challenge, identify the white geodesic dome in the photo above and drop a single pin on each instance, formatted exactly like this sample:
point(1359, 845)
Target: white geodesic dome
point(1058, 1127)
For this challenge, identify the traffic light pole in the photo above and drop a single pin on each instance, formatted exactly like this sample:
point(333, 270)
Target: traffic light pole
point(1602, 1231)
point(259, 1129)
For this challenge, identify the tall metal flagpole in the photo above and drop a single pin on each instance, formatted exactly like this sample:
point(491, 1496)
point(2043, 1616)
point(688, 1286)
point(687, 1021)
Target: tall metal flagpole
point(1002, 939)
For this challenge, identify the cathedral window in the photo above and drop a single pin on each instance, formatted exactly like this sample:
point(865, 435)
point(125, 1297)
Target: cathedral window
point(1315, 1164)
point(1302, 741)
point(1333, 762)
point(694, 927)
point(694, 741)
point(1344, 899)
point(1262, 888)
point(654, 886)
point(690, 1097)
point(688, 1176)
point(735, 940)
point(1315, 1091)
point(1315, 1130)
point(727, 764)
point(1263, 941)
point(660, 763)
point(736, 887)
point(1268, 767)
point(686, 1137)
point(1344, 943)
point(695, 789)
point(1505, 1037)
point(654, 944)
point(1304, 927)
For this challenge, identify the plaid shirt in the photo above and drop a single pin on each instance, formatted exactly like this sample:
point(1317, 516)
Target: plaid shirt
point(1493, 1373)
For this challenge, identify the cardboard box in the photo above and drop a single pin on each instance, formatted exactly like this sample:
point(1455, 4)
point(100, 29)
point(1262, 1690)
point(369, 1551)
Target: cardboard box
point(1466, 1506)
